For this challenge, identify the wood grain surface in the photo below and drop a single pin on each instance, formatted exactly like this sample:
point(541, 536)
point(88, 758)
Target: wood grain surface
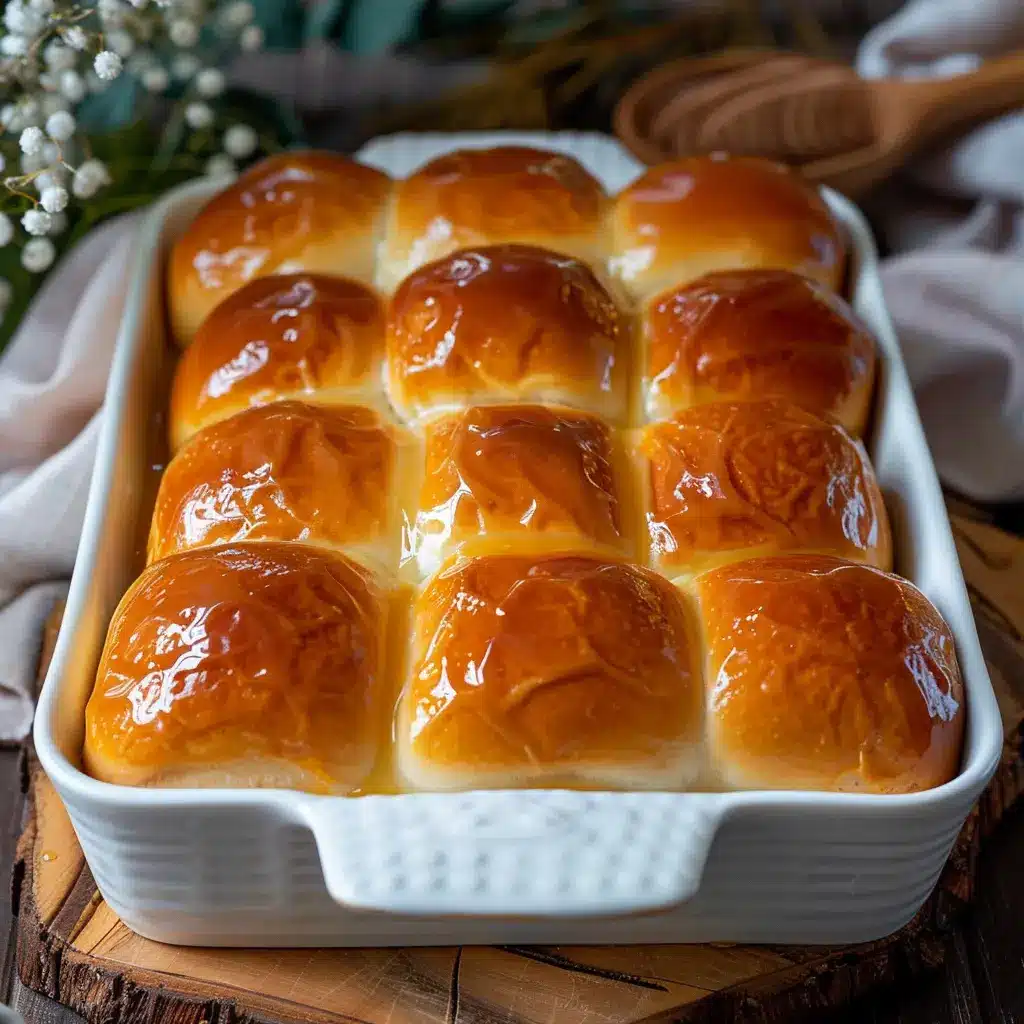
point(73, 949)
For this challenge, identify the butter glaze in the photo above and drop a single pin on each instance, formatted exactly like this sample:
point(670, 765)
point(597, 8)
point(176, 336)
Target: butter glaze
point(519, 473)
point(506, 323)
point(210, 647)
point(746, 334)
point(730, 480)
point(482, 197)
point(287, 336)
point(296, 211)
point(287, 471)
point(682, 219)
point(827, 675)
point(539, 671)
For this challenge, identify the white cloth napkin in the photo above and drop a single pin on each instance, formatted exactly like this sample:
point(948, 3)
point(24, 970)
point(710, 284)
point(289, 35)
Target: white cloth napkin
point(956, 292)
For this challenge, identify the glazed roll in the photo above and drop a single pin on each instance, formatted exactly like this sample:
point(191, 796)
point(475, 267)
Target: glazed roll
point(551, 671)
point(747, 334)
point(503, 324)
point(481, 197)
point(520, 476)
point(733, 480)
point(289, 471)
point(684, 219)
point(306, 336)
point(825, 675)
point(297, 211)
point(249, 665)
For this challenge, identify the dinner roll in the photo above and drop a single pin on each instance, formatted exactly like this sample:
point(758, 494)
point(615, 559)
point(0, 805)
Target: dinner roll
point(247, 665)
point(505, 323)
point(827, 675)
point(482, 196)
point(529, 476)
point(702, 213)
point(758, 334)
point(288, 471)
point(558, 670)
point(734, 480)
point(317, 212)
point(297, 335)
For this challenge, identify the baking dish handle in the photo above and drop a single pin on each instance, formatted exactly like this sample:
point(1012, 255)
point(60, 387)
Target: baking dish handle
point(521, 854)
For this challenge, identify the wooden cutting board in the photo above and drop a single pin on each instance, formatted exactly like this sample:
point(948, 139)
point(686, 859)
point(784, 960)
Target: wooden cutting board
point(72, 947)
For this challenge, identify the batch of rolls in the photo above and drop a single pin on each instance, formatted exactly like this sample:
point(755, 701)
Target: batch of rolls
point(485, 478)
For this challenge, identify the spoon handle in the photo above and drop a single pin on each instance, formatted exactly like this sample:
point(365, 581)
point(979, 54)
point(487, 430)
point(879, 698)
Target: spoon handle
point(996, 88)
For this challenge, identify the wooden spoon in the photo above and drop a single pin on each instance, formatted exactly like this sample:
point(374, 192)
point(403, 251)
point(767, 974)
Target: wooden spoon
point(644, 118)
point(851, 133)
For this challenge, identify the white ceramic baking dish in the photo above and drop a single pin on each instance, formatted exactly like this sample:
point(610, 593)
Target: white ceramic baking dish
point(230, 867)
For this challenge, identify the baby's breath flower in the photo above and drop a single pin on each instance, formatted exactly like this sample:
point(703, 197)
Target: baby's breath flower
point(138, 4)
point(60, 126)
point(52, 177)
point(50, 153)
point(240, 141)
point(58, 223)
point(36, 222)
point(107, 65)
point(198, 115)
point(183, 32)
point(72, 85)
point(14, 45)
point(32, 162)
point(37, 255)
point(43, 7)
point(156, 78)
point(210, 82)
point(31, 141)
point(251, 38)
point(111, 13)
point(89, 179)
point(220, 165)
point(6, 230)
point(58, 56)
point(184, 66)
point(54, 199)
point(22, 19)
point(75, 37)
point(9, 116)
point(120, 42)
point(53, 102)
point(238, 14)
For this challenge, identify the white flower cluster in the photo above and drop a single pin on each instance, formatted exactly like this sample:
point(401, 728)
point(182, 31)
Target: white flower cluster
point(54, 53)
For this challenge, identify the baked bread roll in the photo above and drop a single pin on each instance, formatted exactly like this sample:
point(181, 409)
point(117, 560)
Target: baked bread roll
point(296, 211)
point(291, 472)
point(743, 334)
point(559, 670)
point(526, 476)
point(506, 323)
point(683, 219)
point(483, 196)
point(246, 665)
point(288, 336)
point(735, 480)
point(825, 675)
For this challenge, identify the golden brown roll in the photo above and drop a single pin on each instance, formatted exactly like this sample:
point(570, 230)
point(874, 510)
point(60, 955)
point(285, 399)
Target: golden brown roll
point(827, 675)
point(248, 665)
point(734, 480)
point(528, 476)
point(293, 336)
point(484, 196)
point(287, 471)
point(297, 211)
point(683, 219)
point(506, 323)
point(758, 334)
point(559, 670)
